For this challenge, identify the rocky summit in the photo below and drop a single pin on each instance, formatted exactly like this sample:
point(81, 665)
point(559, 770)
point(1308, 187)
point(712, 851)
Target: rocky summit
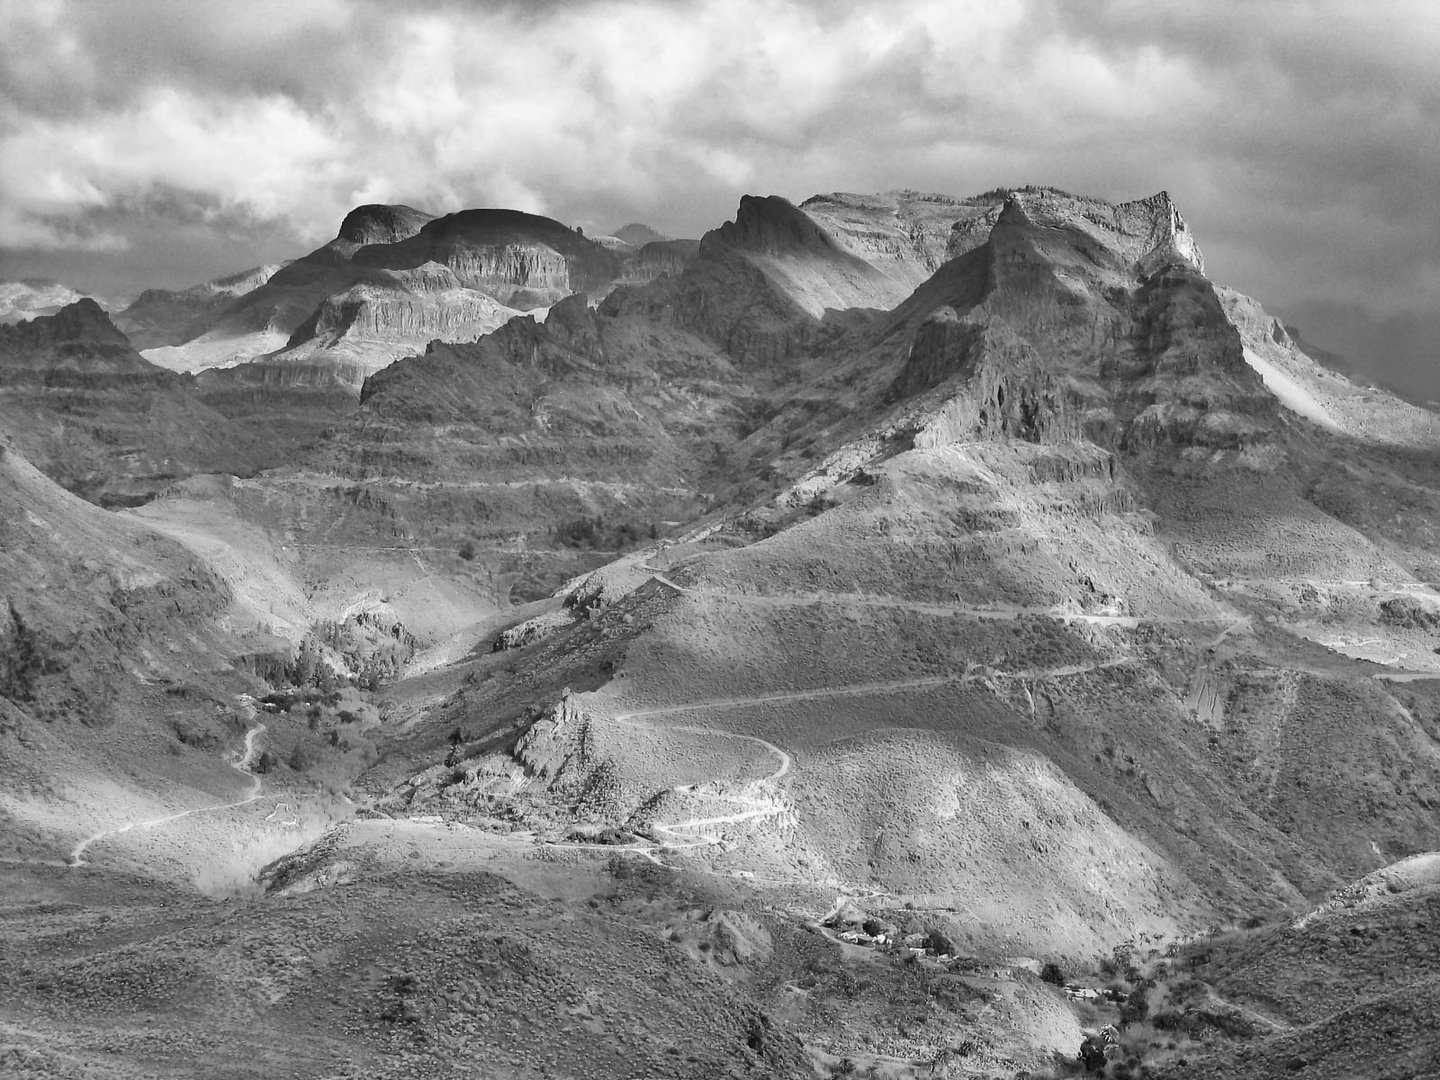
point(900, 635)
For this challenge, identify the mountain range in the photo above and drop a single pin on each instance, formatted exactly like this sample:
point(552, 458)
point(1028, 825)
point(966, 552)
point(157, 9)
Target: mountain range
point(807, 648)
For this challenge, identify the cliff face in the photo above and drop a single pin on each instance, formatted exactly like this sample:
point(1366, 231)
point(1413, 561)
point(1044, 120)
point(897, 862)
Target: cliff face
point(396, 313)
point(522, 260)
point(1113, 305)
point(659, 257)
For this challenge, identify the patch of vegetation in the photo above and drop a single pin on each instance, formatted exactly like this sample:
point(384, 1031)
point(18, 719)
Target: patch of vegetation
point(596, 535)
point(23, 658)
point(1403, 611)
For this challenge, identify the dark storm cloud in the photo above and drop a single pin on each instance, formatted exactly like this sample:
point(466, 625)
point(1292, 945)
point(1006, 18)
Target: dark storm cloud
point(1298, 138)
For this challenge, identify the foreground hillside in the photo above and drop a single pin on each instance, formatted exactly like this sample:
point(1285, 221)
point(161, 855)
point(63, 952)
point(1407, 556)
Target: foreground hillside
point(769, 667)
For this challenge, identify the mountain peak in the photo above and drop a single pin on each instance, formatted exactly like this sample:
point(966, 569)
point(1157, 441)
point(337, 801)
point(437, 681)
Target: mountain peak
point(769, 225)
point(78, 345)
point(1167, 234)
point(1013, 212)
point(83, 321)
point(637, 234)
point(378, 223)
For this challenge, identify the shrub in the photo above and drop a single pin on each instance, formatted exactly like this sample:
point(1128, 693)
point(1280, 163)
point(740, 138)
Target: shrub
point(20, 659)
point(467, 550)
point(1052, 974)
point(1135, 1009)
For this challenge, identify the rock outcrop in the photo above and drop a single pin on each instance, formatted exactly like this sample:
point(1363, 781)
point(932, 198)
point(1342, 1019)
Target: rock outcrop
point(1112, 302)
point(376, 223)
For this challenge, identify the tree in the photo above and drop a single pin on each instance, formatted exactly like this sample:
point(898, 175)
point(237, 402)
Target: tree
point(1135, 1008)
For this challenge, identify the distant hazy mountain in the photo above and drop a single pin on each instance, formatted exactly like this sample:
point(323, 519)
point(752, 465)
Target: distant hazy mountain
point(26, 299)
point(159, 317)
point(637, 235)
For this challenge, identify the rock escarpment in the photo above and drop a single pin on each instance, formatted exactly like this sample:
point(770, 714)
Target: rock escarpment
point(1110, 303)
point(523, 260)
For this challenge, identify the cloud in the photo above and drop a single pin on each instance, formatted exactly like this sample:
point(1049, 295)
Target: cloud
point(1298, 140)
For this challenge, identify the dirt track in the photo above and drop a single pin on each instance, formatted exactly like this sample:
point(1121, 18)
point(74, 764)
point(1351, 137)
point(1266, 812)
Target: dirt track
point(242, 765)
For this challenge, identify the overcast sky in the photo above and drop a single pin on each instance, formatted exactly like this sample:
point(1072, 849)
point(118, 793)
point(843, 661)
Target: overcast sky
point(163, 142)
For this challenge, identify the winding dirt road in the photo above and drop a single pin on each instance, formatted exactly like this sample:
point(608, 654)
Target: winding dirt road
point(750, 796)
point(242, 765)
point(755, 797)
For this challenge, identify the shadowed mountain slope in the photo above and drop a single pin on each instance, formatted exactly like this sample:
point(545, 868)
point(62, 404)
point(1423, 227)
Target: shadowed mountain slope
point(109, 647)
point(161, 317)
point(101, 419)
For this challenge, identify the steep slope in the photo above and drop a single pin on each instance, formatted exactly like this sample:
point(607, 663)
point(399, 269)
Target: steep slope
point(1349, 990)
point(161, 317)
point(108, 654)
point(1324, 397)
point(106, 423)
point(522, 260)
point(769, 288)
point(544, 442)
point(905, 234)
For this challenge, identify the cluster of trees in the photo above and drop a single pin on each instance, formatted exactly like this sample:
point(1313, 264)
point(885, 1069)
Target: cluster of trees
point(593, 533)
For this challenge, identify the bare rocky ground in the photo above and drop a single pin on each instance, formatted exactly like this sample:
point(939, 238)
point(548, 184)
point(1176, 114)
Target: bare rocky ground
point(1048, 613)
